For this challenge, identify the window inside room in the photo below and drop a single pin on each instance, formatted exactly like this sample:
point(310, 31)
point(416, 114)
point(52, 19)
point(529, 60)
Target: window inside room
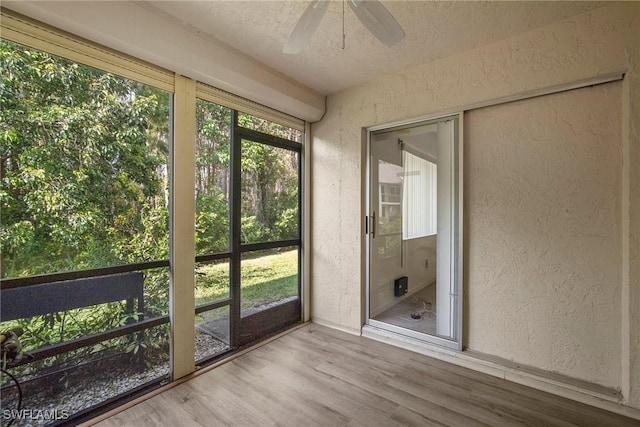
point(270, 191)
point(84, 166)
point(270, 237)
point(247, 226)
point(84, 230)
point(419, 197)
point(89, 173)
point(213, 229)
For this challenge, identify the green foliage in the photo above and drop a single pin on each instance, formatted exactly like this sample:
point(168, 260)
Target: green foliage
point(84, 184)
point(83, 162)
point(253, 230)
point(156, 292)
point(269, 181)
point(269, 192)
point(212, 222)
point(287, 224)
point(82, 159)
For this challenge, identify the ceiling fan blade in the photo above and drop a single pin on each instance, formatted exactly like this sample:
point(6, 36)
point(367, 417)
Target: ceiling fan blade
point(306, 26)
point(378, 21)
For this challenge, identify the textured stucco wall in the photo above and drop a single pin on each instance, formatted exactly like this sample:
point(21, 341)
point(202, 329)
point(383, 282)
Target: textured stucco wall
point(542, 201)
point(631, 222)
point(596, 43)
point(419, 252)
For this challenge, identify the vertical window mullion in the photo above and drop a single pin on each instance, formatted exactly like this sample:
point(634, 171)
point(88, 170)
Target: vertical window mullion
point(300, 222)
point(305, 225)
point(181, 294)
point(236, 215)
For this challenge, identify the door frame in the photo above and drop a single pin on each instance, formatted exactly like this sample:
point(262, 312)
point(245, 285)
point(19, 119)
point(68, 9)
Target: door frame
point(457, 233)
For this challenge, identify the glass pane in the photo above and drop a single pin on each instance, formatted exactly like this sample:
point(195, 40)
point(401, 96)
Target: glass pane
point(212, 282)
point(71, 381)
point(156, 292)
point(84, 160)
point(212, 333)
point(390, 178)
point(265, 126)
point(413, 192)
point(268, 278)
point(269, 193)
point(213, 177)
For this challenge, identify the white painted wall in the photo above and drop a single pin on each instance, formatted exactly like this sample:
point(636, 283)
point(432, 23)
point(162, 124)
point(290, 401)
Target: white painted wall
point(418, 253)
point(543, 197)
point(593, 44)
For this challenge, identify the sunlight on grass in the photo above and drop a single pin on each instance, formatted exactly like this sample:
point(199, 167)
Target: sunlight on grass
point(212, 282)
point(270, 277)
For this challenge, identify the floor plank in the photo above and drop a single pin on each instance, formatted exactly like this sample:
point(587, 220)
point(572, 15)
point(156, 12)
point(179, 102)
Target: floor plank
point(317, 376)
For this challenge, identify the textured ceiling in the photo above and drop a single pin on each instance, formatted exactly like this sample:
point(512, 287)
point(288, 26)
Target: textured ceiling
point(434, 30)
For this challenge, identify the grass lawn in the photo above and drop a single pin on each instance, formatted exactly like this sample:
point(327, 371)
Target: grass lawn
point(266, 278)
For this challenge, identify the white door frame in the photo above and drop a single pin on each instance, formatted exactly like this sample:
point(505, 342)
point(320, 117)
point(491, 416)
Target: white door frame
point(456, 235)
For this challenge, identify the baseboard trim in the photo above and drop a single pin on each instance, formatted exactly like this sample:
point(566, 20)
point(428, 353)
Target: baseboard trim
point(609, 401)
point(332, 325)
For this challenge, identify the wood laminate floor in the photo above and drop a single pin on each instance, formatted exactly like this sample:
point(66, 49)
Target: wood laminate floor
point(317, 376)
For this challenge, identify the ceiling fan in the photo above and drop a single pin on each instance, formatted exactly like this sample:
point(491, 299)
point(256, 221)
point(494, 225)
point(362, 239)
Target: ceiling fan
point(373, 15)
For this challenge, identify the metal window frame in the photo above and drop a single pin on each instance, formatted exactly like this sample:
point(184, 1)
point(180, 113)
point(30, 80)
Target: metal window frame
point(17, 282)
point(236, 248)
point(29, 32)
point(184, 92)
point(246, 106)
point(457, 237)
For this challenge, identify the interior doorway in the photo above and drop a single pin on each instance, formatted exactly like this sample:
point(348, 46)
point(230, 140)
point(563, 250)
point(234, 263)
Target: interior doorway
point(414, 230)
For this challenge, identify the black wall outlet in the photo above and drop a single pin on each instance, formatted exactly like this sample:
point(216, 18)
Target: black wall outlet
point(401, 286)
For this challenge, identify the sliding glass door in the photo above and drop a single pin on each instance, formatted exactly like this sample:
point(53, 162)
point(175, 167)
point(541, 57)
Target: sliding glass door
point(413, 224)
